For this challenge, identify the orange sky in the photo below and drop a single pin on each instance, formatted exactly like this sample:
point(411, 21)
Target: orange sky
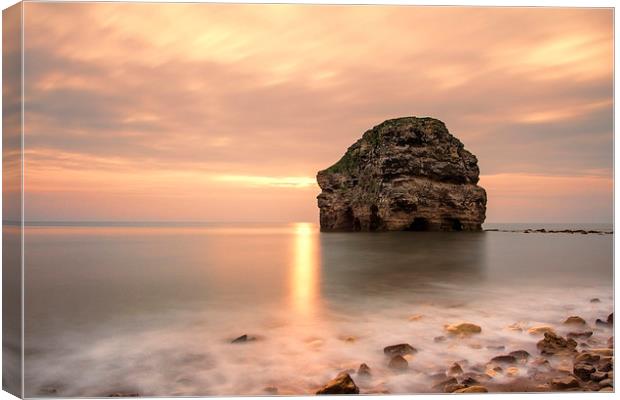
point(226, 112)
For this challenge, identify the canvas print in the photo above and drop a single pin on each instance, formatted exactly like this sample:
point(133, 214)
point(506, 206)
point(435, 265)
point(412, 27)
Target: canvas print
point(283, 199)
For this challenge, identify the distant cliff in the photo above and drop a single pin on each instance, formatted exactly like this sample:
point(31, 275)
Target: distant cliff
point(404, 174)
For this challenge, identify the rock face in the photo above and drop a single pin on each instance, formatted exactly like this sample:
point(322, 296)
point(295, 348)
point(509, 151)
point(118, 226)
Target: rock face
point(404, 174)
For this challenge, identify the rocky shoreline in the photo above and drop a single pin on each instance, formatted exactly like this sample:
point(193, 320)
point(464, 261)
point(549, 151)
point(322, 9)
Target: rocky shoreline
point(572, 355)
point(577, 362)
point(570, 231)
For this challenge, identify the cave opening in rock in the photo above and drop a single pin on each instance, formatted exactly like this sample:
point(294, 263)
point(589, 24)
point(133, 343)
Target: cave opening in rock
point(454, 224)
point(357, 225)
point(375, 219)
point(419, 224)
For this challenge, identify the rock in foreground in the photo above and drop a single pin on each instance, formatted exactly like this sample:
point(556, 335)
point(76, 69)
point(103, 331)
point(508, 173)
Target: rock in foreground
point(342, 384)
point(404, 174)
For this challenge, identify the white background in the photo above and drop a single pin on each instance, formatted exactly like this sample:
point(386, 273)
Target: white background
point(574, 3)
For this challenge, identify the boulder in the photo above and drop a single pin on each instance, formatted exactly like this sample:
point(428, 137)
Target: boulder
point(399, 350)
point(341, 384)
point(405, 174)
point(553, 344)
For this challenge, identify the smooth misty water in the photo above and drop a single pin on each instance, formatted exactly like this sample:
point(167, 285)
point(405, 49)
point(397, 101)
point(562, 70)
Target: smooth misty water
point(152, 309)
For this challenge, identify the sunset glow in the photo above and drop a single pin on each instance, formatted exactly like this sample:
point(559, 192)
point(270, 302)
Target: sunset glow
point(147, 112)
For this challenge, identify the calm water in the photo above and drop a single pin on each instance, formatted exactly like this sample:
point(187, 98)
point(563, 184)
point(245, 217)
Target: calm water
point(152, 309)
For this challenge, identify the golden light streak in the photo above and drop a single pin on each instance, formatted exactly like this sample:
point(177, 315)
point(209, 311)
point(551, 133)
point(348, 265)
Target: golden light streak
point(304, 276)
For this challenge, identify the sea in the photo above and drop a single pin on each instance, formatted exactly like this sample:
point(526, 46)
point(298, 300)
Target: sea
point(153, 308)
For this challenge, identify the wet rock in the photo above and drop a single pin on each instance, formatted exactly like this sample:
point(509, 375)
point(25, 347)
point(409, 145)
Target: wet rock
point(520, 354)
point(398, 363)
point(470, 380)
point(341, 384)
point(363, 370)
point(505, 359)
point(598, 376)
point(582, 335)
point(575, 320)
point(404, 174)
point(540, 330)
point(595, 300)
point(445, 382)
point(455, 369)
point(472, 389)
point(553, 344)
point(566, 382)
point(583, 371)
point(453, 387)
point(541, 361)
point(399, 350)
point(606, 366)
point(602, 352)
point(271, 390)
point(587, 358)
point(463, 329)
point(240, 339)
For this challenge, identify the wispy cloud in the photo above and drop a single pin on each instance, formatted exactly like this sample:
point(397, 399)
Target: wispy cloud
point(262, 93)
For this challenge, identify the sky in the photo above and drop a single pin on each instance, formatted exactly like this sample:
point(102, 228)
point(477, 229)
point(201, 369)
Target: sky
point(226, 112)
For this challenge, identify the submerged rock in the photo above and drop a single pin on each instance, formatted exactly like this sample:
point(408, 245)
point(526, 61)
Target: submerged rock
point(505, 359)
point(404, 174)
point(399, 350)
point(575, 320)
point(363, 370)
point(398, 363)
point(342, 384)
point(464, 329)
point(472, 389)
point(520, 354)
point(455, 369)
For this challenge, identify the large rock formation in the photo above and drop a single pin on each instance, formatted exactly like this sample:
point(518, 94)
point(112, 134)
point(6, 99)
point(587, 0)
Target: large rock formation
point(404, 174)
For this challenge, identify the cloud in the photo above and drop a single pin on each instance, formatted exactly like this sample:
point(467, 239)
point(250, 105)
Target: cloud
point(260, 92)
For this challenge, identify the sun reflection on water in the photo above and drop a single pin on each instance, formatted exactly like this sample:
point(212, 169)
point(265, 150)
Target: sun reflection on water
point(305, 269)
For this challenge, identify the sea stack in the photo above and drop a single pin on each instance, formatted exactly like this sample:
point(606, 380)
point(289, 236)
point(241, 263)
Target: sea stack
point(405, 174)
